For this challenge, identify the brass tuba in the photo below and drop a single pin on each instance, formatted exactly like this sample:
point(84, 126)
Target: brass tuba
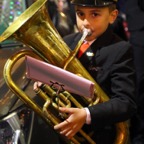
point(35, 29)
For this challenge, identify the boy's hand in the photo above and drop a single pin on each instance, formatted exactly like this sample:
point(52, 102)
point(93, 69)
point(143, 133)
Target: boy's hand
point(76, 119)
point(37, 85)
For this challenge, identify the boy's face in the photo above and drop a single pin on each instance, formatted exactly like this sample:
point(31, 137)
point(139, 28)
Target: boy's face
point(95, 19)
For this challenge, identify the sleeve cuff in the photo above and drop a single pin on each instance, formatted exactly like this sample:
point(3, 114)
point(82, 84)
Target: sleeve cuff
point(88, 118)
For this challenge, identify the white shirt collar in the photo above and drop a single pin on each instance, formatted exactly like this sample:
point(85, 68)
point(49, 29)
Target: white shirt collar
point(89, 42)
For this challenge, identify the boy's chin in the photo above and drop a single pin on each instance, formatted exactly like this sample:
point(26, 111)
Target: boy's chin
point(90, 38)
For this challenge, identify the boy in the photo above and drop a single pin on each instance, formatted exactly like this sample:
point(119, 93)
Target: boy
point(110, 62)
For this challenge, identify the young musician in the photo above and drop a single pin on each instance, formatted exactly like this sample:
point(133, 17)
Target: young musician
point(109, 60)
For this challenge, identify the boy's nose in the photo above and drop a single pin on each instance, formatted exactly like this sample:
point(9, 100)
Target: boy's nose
point(86, 23)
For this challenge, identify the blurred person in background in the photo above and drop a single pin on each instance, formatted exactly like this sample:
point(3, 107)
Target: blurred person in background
point(120, 26)
point(134, 10)
point(62, 15)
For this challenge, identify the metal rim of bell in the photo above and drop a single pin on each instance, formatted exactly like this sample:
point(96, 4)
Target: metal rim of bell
point(93, 3)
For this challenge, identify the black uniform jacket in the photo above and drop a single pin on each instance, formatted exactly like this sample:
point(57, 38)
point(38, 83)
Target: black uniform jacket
point(112, 68)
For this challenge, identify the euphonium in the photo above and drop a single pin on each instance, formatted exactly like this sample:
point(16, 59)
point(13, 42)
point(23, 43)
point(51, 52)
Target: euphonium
point(35, 29)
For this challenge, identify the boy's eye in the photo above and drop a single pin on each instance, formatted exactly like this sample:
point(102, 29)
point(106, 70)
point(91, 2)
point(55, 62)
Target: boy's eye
point(80, 14)
point(95, 14)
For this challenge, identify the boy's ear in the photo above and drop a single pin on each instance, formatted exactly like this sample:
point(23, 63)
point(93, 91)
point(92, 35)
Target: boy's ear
point(113, 16)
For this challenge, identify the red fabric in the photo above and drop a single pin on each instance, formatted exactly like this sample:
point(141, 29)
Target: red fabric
point(83, 48)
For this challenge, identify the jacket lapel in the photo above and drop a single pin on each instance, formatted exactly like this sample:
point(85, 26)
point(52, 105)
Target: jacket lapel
point(75, 42)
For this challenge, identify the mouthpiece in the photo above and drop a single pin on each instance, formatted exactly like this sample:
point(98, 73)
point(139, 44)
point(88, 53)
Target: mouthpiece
point(87, 31)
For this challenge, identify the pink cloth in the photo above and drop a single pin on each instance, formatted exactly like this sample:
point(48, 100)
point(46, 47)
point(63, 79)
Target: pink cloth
point(47, 73)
